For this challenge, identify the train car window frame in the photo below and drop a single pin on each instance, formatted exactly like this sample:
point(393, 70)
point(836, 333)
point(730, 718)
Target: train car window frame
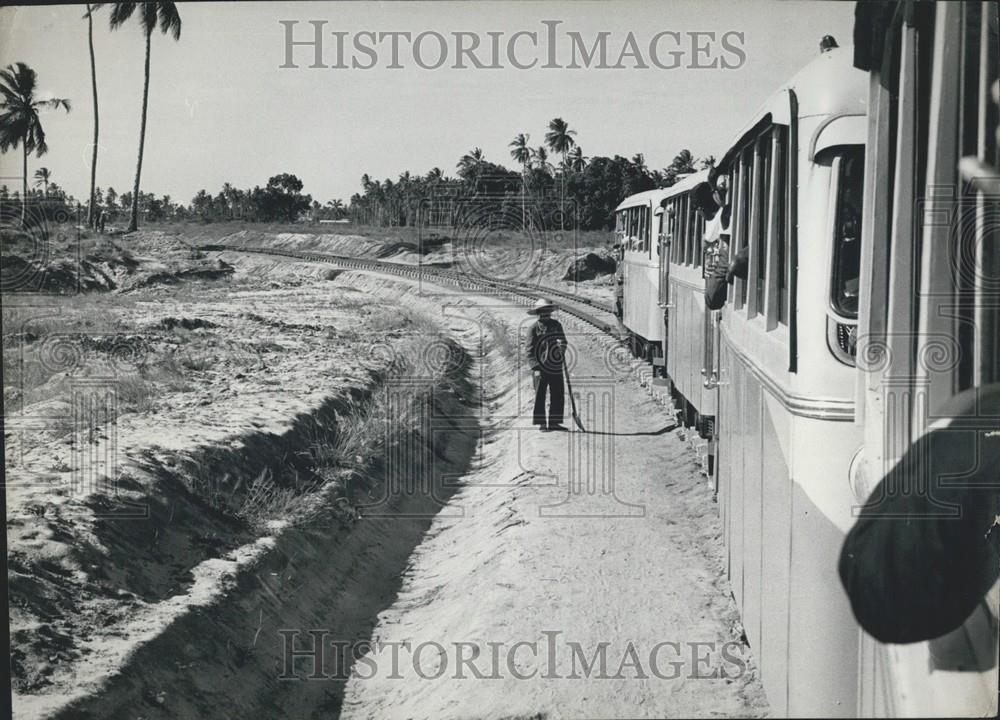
point(675, 224)
point(663, 256)
point(686, 230)
point(741, 237)
point(736, 221)
point(775, 298)
point(645, 227)
point(845, 262)
point(755, 238)
point(699, 234)
point(643, 230)
point(633, 228)
point(654, 233)
point(973, 289)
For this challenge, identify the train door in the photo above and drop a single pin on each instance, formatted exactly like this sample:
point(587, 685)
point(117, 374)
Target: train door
point(662, 218)
point(930, 301)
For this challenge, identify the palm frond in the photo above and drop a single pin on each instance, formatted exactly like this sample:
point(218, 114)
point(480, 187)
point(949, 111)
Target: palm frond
point(170, 19)
point(55, 103)
point(121, 12)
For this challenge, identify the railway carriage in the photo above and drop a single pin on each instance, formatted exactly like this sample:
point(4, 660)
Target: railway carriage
point(770, 378)
point(636, 233)
point(930, 301)
point(783, 366)
point(663, 302)
point(866, 192)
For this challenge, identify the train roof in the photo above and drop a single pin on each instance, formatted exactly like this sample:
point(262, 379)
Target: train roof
point(653, 197)
point(829, 85)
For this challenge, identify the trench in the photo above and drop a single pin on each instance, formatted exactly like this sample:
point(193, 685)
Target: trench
point(320, 584)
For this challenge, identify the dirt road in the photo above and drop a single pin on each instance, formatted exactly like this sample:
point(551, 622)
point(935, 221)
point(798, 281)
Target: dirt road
point(560, 549)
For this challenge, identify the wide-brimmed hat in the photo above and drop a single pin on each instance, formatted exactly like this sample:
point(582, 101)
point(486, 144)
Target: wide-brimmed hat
point(540, 305)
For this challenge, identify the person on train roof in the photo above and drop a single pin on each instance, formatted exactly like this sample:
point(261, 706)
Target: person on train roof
point(708, 200)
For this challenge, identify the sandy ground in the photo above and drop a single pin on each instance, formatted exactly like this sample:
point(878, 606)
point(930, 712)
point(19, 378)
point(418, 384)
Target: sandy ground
point(607, 538)
point(114, 528)
point(536, 555)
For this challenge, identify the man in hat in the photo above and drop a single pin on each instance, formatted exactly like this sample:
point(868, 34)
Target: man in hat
point(546, 354)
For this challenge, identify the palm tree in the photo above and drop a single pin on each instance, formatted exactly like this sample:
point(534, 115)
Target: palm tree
point(150, 14)
point(336, 207)
point(42, 177)
point(232, 196)
point(19, 121)
point(707, 163)
point(469, 164)
point(683, 162)
point(559, 138)
point(540, 158)
point(576, 160)
point(521, 153)
point(89, 15)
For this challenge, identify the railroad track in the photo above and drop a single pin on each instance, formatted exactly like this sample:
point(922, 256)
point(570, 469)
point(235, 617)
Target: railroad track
point(592, 312)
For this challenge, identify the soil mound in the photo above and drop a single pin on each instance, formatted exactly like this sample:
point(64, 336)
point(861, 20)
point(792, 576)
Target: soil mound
point(590, 266)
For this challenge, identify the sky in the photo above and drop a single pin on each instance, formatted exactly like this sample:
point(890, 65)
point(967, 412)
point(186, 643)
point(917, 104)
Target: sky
point(222, 109)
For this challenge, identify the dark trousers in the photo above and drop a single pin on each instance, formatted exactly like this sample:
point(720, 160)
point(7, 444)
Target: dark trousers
point(553, 383)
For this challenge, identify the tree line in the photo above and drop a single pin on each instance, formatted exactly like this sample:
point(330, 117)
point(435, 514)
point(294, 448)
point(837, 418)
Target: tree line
point(281, 200)
point(575, 192)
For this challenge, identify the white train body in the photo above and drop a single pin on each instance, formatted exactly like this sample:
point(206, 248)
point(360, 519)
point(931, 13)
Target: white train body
point(824, 184)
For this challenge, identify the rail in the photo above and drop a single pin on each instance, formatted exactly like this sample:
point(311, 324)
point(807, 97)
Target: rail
point(464, 281)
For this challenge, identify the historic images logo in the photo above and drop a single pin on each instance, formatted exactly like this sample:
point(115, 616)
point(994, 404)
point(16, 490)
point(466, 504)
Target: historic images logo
point(313, 655)
point(548, 48)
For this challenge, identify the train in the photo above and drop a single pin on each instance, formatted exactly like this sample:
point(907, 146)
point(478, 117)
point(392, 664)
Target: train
point(865, 192)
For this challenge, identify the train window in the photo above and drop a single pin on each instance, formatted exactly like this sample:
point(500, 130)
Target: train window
point(646, 217)
point(844, 287)
point(699, 232)
point(647, 229)
point(659, 228)
point(681, 232)
point(640, 226)
point(633, 229)
point(636, 228)
point(686, 258)
point(779, 223)
point(762, 215)
point(653, 232)
point(685, 231)
point(742, 235)
point(675, 224)
point(976, 237)
point(692, 216)
point(675, 229)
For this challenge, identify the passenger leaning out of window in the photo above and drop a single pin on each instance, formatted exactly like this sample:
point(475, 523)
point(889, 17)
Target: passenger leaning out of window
point(709, 201)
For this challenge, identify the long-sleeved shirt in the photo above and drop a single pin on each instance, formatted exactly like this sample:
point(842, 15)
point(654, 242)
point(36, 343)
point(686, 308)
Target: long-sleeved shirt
point(546, 345)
